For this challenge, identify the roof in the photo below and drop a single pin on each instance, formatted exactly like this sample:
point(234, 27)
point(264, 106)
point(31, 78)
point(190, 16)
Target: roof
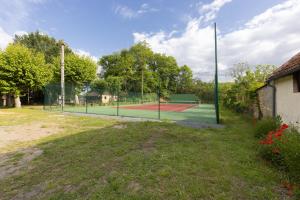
point(291, 66)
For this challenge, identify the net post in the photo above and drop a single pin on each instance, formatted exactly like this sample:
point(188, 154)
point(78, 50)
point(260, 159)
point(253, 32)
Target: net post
point(216, 78)
point(86, 103)
point(118, 96)
point(158, 102)
point(86, 106)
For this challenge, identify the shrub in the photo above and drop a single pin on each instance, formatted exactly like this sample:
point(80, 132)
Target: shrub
point(282, 149)
point(270, 147)
point(289, 148)
point(264, 126)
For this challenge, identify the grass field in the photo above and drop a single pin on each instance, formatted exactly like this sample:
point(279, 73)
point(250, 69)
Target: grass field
point(204, 113)
point(72, 157)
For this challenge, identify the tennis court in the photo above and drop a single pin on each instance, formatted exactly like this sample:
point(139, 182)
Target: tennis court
point(174, 107)
point(163, 107)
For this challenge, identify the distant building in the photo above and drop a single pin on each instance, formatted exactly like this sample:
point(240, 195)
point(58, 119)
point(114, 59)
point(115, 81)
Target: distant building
point(281, 94)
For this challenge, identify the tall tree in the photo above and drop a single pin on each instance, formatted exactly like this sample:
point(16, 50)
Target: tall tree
point(22, 69)
point(42, 43)
point(78, 69)
point(99, 86)
point(185, 79)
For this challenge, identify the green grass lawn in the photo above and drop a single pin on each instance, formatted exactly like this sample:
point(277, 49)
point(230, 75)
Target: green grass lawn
point(92, 158)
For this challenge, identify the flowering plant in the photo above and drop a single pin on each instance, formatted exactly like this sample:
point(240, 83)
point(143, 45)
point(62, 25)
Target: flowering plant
point(274, 135)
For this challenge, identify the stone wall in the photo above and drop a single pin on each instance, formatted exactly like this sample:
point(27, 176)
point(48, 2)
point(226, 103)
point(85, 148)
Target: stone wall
point(264, 107)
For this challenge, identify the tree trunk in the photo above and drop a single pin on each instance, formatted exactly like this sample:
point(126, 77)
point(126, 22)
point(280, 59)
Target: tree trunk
point(4, 97)
point(17, 101)
point(76, 99)
point(28, 98)
point(9, 100)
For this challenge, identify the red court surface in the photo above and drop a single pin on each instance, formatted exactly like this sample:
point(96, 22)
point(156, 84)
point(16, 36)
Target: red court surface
point(163, 107)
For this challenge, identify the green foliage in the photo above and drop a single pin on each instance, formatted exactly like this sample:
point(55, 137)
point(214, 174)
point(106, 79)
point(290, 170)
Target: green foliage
point(264, 126)
point(42, 43)
point(185, 80)
point(241, 96)
point(22, 69)
point(205, 91)
point(157, 70)
point(284, 152)
point(78, 70)
point(99, 86)
point(114, 83)
point(290, 152)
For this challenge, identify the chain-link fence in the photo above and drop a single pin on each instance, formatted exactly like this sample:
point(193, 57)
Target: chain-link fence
point(173, 107)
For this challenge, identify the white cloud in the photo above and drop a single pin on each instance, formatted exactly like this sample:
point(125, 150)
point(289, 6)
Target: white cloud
point(5, 39)
point(210, 10)
point(129, 13)
point(269, 38)
point(14, 16)
point(20, 33)
point(85, 53)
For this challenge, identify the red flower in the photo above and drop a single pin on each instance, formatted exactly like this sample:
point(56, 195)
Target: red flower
point(284, 126)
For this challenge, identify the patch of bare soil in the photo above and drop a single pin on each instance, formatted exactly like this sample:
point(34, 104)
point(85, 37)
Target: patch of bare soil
point(120, 126)
point(149, 145)
point(11, 165)
point(134, 186)
point(25, 132)
point(6, 113)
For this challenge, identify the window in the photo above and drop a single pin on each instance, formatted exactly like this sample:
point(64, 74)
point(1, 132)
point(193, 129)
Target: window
point(296, 77)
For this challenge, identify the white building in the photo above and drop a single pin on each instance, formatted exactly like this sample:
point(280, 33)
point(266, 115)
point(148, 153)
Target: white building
point(285, 84)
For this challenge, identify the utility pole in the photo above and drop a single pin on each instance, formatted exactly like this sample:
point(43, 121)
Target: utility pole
point(216, 78)
point(62, 76)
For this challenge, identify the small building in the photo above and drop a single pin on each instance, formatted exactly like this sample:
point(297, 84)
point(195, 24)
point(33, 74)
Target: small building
point(281, 94)
point(107, 98)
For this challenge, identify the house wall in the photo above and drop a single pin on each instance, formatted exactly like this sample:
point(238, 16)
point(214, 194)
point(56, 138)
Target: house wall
point(287, 102)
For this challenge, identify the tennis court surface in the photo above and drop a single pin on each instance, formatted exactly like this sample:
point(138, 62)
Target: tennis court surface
point(163, 107)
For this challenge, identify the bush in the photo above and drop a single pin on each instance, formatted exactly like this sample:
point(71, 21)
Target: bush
point(289, 148)
point(264, 126)
point(282, 148)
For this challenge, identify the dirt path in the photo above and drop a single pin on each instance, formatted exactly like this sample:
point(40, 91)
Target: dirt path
point(26, 132)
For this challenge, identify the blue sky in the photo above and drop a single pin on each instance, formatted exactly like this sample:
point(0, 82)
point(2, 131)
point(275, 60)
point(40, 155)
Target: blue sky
point(179, 28)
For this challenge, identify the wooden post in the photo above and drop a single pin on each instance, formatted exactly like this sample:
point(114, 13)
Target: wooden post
point(62, 77)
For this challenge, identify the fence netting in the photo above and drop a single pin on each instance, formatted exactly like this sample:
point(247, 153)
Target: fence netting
point(155, 105)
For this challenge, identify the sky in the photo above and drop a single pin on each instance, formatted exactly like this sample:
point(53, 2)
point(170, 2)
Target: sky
point(251, 31)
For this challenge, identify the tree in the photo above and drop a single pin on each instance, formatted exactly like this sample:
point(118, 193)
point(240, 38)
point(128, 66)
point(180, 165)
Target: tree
point(99, 86)
point(241, 96)
point(185, 79)
point(22, 69)
point(113, 84)
point(42, 43)
point(79, 70)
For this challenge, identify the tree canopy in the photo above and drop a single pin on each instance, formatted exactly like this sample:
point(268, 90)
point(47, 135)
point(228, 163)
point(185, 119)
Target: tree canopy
point(42, 43)
point(78, 69)
point(139, 67)
point(22, 69)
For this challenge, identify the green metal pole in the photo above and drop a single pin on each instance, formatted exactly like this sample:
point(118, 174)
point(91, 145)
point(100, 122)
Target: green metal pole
point(159, 101)
point(216, 78)
point(118, 94)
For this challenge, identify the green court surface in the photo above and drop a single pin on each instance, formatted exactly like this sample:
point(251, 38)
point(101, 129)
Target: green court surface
point(202, 113)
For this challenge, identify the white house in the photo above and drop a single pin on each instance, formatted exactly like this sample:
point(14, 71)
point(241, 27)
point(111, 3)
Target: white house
point(284, 87)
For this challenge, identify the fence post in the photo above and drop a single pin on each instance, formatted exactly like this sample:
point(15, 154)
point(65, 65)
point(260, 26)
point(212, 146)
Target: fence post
point(158, 102)
point(118, 94)
point(86, 103)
